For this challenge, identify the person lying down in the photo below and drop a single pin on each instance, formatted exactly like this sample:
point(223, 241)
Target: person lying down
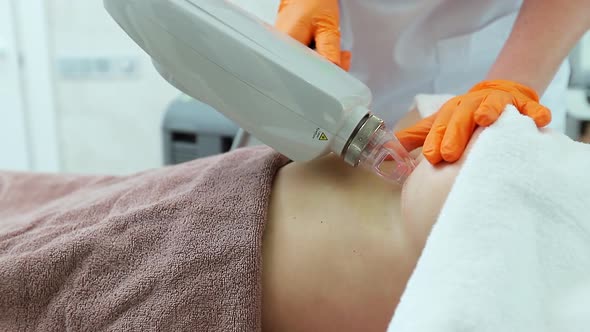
point(244, 241)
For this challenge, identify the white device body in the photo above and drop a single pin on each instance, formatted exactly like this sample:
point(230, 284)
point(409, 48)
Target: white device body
point(280, 91)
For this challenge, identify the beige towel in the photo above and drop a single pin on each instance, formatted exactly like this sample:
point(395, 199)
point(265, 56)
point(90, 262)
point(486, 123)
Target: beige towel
point(171, 249)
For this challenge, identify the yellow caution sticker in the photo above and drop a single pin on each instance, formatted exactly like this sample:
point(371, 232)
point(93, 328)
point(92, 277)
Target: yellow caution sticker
point(323, 137)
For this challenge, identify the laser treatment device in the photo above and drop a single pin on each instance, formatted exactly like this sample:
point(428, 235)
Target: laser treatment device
point(280, 91)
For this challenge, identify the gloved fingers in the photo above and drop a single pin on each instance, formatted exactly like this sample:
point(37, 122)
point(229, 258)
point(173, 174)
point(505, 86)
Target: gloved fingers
point(345, 60)
point(413, 137)
point(539, 113)
point(283, 4)
point(327, 40)
point(432, 144)
point(459, 130)
point(299, 28)
point(491, 108)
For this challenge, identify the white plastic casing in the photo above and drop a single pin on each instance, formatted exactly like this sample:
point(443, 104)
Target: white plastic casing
point(280, 91)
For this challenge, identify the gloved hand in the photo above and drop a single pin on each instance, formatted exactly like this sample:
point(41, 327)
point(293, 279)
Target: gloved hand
point(445, 134)
point(314, 22)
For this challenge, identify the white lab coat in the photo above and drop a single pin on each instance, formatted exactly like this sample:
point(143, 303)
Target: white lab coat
point(401, 48)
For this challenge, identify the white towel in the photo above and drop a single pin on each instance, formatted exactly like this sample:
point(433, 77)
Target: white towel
point(511, 248)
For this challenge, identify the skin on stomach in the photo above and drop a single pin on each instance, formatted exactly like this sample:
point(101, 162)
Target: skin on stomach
point(336, 253)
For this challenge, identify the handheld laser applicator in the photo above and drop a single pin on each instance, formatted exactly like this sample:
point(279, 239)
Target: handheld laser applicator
point(278, 90)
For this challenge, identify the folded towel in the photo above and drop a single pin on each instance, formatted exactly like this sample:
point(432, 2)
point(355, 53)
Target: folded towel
point(171, 249)
point(511, 248)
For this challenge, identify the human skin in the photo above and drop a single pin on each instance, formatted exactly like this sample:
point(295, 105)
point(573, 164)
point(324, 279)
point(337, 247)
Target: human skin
point(543, 35)
point(341, 243)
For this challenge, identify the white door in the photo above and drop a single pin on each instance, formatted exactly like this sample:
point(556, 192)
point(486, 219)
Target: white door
point(28, 131)
point(14, 147)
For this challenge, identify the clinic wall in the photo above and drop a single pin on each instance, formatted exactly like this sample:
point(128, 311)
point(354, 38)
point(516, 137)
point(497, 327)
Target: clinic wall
point(110, 125)
point(105, 125)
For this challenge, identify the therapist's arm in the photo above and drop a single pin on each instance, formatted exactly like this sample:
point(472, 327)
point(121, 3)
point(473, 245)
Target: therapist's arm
point(542, 37)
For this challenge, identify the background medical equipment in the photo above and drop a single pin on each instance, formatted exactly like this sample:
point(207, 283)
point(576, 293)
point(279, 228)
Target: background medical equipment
point(578, 114)
point(192, 130)
point(283, 93)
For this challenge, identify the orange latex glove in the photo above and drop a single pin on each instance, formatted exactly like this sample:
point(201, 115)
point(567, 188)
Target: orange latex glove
point(314, 22)
point(445, 134)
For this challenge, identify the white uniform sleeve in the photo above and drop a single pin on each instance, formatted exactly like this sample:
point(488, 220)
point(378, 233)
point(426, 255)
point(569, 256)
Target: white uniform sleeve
point(427, 104)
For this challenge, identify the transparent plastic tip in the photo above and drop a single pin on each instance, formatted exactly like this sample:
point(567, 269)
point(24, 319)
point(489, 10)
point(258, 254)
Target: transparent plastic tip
point(387, 157)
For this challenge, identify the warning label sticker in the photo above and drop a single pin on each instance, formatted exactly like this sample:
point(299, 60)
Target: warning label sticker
point(320, 135)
